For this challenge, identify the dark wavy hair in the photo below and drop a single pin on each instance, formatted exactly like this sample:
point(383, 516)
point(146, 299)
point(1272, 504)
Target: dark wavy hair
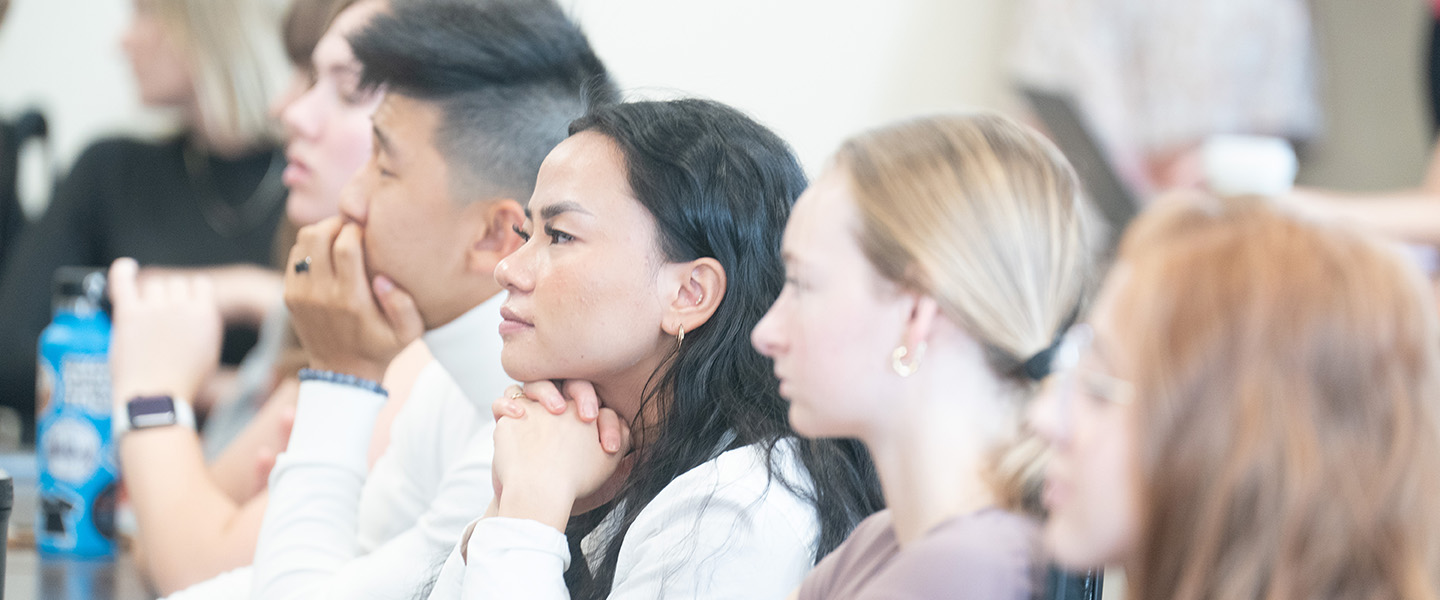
point(719, 185)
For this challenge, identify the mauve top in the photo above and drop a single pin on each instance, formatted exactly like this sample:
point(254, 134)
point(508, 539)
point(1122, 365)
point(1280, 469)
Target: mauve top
point(989, 555)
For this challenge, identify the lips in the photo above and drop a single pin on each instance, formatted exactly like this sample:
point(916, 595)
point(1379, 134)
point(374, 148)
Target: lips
point(513, 322)
point(1057, 490)
point(296, 171)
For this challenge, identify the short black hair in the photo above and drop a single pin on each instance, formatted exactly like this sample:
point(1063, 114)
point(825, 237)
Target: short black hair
point(508, 76)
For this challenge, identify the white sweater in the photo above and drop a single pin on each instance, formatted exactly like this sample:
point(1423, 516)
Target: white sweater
point(721, 530)
point(331, 531)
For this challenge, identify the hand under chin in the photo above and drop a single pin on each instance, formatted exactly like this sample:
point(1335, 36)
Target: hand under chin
point(607, 492)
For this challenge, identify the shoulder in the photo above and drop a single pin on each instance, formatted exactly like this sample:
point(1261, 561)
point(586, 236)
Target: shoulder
point(746, 474)
point(123, 150)
point(989, 554)
point(723, 529)
point(868, 546)
point(875, 532)
point(110, 161)
point(737, 487)
point(435, 412)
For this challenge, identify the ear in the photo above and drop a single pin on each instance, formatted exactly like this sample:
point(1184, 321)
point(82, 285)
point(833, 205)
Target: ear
point(921, 324)
point(494, 233)
point(693, 291)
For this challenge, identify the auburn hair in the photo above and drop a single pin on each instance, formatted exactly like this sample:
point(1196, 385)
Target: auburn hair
point(1286, 377)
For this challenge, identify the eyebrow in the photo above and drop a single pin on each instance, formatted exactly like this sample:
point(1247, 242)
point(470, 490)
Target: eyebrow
point(382, 142)
point(559, 208)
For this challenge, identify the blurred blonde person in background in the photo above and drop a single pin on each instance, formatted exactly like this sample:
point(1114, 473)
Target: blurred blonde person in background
point(211, 194)
point(928, 274)
point(1250, 413)
point(190, 526)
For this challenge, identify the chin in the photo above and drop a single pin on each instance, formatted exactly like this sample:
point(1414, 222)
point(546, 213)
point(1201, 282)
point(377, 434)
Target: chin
point(300, 210)
point(519, 367)
point(804, 422)
point(1070, 548)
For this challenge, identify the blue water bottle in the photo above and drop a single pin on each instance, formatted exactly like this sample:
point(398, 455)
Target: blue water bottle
point(77, 470)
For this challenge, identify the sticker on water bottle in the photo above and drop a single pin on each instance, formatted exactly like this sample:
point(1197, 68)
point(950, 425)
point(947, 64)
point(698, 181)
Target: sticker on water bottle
point(86, 381)
point(72, 450)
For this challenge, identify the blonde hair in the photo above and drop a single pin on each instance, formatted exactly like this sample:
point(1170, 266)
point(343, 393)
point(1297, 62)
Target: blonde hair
point(237, 61)
point(985, 216)
point(1286, 377)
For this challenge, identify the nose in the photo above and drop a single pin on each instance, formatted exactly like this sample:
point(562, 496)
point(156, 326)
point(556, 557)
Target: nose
point(297, 113)
point(516, 272)
point(355, 196)
point(297, 85)
point(766, 337)
point(1047, 412)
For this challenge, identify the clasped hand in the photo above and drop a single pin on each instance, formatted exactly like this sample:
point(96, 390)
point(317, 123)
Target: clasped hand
point(556, 453)
point(346, 322)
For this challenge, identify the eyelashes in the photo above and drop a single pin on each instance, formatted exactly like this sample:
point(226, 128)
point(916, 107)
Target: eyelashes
point(556, 236)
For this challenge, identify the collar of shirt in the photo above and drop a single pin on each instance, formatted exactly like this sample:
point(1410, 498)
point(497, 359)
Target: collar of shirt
point(469, 350)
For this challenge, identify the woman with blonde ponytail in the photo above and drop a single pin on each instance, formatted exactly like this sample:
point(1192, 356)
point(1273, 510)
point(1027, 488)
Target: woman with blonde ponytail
point(929, 272)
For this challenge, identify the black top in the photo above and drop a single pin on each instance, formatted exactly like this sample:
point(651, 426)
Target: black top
point(160, 203)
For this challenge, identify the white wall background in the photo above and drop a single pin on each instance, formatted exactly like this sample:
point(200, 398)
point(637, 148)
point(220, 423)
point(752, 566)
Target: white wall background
point(815, 70)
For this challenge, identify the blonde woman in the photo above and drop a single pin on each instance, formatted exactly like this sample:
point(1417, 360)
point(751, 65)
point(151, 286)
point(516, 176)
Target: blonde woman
point(211, 194)
point(1250, 413)
point(928, 273)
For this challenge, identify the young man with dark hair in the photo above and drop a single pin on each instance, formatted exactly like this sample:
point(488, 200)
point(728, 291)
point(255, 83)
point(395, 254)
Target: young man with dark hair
point(476, 94)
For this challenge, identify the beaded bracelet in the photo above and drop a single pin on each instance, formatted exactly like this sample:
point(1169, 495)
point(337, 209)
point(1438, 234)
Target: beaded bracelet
point(343, 379)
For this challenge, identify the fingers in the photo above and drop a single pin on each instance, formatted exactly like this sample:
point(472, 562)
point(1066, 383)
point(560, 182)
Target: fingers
point(506, 406)
point(582, 393)
point(284, 424)
point(124, 290)
point(202, 289)
point(398, 307)
point(313, 242)
point(264, 463)
point(347, 255)
point(318, 241)
point(614, 433)
point(547, 395)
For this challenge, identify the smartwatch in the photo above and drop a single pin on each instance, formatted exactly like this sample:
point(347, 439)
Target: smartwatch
point(144, 412)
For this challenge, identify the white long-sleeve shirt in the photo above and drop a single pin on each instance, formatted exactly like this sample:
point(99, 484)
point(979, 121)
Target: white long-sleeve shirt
point(331, 531)
point(721, 530)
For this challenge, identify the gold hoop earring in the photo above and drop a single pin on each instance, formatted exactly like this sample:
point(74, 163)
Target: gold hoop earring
point(899, 363)
point(680, 336)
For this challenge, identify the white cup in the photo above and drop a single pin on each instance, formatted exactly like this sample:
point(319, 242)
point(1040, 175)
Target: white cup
point(1240, 165)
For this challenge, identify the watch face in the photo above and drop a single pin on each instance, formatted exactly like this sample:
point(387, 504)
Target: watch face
point(152, 411)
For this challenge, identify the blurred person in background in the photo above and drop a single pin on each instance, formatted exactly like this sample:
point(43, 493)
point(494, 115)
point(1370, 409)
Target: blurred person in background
point(211, 194)
point(929, 273)
point(1411, 214)
point(1155, 79)
point(191, 526)
point(1250, 413)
